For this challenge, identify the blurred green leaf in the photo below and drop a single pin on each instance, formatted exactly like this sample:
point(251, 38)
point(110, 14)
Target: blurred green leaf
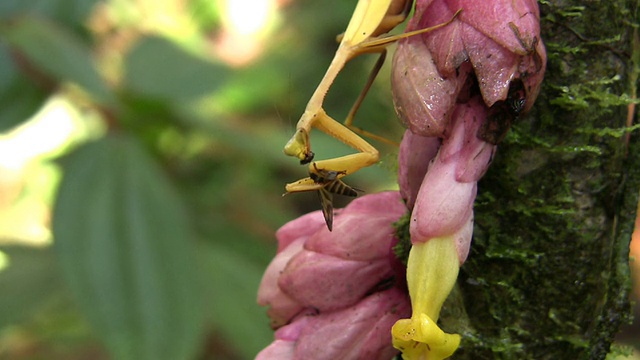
point(30, 280)
point(255, 88)
point(67, 11)
point(19, 99)
point(124, 242)
point(205, 13)
point(158, 68)
point(233, 286)
point(58, 53)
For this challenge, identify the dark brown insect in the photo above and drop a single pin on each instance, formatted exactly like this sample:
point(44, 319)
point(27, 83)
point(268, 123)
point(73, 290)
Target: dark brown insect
point(331, 185)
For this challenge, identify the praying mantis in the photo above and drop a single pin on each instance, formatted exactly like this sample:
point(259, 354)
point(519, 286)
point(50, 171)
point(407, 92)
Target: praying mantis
point(370, 19)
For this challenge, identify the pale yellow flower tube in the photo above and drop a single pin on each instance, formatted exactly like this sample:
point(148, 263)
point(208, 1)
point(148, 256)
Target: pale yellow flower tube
point(432, 270)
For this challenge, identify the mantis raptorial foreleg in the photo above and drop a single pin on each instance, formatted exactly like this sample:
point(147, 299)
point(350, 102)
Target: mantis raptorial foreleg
point(367, 155)
point(348, 122)
point(370, 19)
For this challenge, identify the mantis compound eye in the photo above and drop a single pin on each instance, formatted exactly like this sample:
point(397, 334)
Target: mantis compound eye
point(308, 158)
point(298, 146)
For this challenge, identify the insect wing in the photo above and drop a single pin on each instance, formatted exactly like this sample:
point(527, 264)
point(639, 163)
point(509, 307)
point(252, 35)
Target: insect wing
point(326, 200)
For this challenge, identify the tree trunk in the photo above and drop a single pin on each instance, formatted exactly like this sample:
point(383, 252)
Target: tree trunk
point(548, 272)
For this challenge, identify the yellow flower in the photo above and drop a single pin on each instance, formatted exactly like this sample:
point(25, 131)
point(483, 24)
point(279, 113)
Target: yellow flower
point(432, 271)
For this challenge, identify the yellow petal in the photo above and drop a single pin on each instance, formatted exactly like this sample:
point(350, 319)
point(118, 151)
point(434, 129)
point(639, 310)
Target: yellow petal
point(420, 338)
point(432, 271)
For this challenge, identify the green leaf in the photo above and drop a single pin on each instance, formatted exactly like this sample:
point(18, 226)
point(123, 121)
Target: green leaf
point(19, 99)
point(158, 68)
point(232, 283)
point(67, 11)
point(31, 278)
point(58, 53)
point(124, 242)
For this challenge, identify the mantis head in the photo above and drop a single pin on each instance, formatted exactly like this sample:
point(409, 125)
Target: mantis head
point(299, 146)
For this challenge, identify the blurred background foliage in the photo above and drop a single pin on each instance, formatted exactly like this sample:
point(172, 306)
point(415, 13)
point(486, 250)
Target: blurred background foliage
point(141, 168)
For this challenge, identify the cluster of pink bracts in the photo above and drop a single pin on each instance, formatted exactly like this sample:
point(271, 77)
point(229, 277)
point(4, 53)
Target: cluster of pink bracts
point(322, 285)
point(337, 295)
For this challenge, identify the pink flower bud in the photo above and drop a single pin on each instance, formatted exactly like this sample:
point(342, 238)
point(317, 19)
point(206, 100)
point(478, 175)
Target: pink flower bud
point(358, 332)
point(462, 145)
point(462, 239)
point(281, 306)
point(499, 41)
point(414, 156)
point(278, 349)
point(500, 38)
point(326, 271)
point(423, 98)
point(464, 82)
point(444, 202)
point(364, 230)
point(302, 227)
point(327, 282)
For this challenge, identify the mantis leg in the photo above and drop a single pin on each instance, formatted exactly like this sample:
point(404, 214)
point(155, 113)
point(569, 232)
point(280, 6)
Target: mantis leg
point(306, 184)
point(378, 45)
point(344, 165)
point(299, 145)
point(348, 164)
point(396, 14)
point(348, 122)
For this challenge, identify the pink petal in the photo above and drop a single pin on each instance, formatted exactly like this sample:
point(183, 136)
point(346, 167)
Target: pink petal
point(327, 283)
point(443, 204)
point(277, 350)
point(303, 226)
point(498, 20)
point(281, 306)
point(462, 239)
point(471, 154)
point(359, 332)
point(413, 160)
point(315, 268)
point(423, 98)
point(363, 237)
point(501, 39)
point(444, 44)
point(363, 230)
point(445, 199)
point(283, 347)
point(378, 203)
point(494, 65)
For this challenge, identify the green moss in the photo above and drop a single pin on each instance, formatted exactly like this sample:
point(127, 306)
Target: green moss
point(619, 352)
point(402, 248)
